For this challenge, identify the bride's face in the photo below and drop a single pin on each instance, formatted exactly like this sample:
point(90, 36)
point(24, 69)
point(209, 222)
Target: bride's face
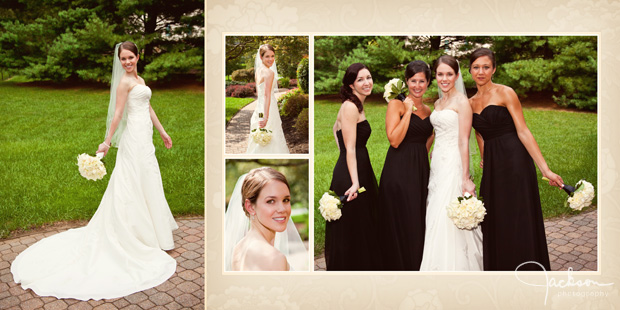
point(445, 77)
point(268, 58)
point(273, 206)
point(129, 60)
point(417, 85)
point(363, 83)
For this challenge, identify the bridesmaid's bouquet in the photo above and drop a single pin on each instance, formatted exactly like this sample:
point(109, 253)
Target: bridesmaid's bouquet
point(466, 212)
point(330, 205)
point(91, 167)
point(261, 136)
point(396, 89)
point(580, 196)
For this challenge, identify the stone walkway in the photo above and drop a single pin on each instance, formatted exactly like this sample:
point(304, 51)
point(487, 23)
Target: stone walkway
point(184, 290)
point(572, 242)
point(239, 127)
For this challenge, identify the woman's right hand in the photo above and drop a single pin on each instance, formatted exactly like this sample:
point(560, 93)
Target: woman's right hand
point(103, 148)
point(408, 104)
point(262, 123)
point(351, 193)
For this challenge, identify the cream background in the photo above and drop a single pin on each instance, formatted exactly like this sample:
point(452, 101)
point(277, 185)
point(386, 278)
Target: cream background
point(314, 290)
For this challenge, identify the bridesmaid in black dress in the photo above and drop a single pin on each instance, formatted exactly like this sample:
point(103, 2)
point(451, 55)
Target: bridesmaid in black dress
point(513, 229)
point(351, 241)
point(404, 179)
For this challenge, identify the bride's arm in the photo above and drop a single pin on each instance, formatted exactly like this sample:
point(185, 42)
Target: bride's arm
point(348, 125)
point(121, 97)
point(465, 119)
point(268, 83)
point(160, 128)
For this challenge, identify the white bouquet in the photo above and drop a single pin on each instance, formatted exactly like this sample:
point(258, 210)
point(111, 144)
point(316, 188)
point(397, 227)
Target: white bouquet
point(330, 205)
point(580, 196)
point(466, 212)
point(396, 89)
point(261, 136)
point(91, 167)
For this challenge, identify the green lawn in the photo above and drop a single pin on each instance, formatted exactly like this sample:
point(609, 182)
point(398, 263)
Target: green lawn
point(567, 141)
point(233, 105)
point(44, 129)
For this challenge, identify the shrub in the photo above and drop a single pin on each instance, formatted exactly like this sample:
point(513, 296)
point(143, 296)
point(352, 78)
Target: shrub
point(301, 125)
point(242, 91)
point(229, 83)
point(292, 83)
point(251, 86)
point(230, 90)
point(293, 105)
point(242, 75)
point(283, 82)
point(289, 94)
point(302, 75)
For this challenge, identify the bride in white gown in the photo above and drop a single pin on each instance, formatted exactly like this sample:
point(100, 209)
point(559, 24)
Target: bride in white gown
point(119, 252)
point(447, 247)
point(266, 76)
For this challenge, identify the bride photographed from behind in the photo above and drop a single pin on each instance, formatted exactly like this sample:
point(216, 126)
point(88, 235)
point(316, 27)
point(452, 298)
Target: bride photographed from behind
point(266, 77)
point(120, 250)
point(259, 232)
point(447, 247)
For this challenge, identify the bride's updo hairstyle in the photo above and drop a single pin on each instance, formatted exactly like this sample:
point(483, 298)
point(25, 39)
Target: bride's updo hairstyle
point(448, 60)
point(128, 45)
point(264, 48)
point(346, 93)
point(416, 67)
point(481, 52)
point(254, 182)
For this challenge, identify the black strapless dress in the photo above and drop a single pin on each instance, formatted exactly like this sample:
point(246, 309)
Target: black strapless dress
point(513, 229)
point(402, 193)
point(351, 241)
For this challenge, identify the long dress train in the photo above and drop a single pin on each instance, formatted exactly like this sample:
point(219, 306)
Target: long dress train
point(119, 252)
point(351, 241)
point(402, 191)
point(274, 123)
point(445, 246)
point(513, 229)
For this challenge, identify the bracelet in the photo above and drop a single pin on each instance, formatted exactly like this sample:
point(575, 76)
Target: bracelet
point(105, 144)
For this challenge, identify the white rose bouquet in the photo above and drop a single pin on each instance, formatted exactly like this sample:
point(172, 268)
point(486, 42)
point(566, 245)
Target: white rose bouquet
point(580, 196)
point(466, 212)
point(91, 167)
point(396, 89)
point(262, 136)
point(330, 205)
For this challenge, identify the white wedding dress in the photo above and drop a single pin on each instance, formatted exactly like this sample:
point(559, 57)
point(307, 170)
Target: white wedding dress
point(446, 247)
point(119, 252)
point(274, 123)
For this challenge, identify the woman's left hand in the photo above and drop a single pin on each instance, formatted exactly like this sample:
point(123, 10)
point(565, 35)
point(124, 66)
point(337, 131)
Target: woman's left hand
point(469, 187)
point(167, 140)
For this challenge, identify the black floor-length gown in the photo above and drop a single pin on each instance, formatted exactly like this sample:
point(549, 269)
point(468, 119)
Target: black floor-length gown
point(402, 192)
point(513, 229)
point(351, 242)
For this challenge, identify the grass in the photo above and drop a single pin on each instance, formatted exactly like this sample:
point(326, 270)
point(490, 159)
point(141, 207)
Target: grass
point(43, 131)
point(568, 141)
point(233, 105)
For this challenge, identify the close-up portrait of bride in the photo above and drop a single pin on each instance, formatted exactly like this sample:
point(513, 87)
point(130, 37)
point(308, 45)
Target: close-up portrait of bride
point(264, 218)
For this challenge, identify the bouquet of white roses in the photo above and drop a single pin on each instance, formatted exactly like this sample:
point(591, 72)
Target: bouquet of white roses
point(396, 88)
point(262, 136)
point(91, 167)
point(580, 196)
point(330, 205)
point(466, 212)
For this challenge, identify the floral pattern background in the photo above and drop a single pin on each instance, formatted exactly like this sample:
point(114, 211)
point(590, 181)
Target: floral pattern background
point(311, 290)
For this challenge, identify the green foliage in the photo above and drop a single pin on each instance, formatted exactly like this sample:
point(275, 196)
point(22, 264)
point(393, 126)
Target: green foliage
point(293, 105)
point(289, 94)
point(242, 75)
point(48, 128)
point(283, 82)
point(303, 75)
point(301, 124)
point(74, 40)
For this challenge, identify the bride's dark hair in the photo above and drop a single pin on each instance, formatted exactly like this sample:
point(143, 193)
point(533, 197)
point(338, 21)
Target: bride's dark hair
point(416, 67)
point(254, 182)
point(346, 93)
point(448, 60)
point(128, 45)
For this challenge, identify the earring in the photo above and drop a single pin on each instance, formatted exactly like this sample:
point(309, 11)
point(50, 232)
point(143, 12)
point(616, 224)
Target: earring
point(252, 217)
